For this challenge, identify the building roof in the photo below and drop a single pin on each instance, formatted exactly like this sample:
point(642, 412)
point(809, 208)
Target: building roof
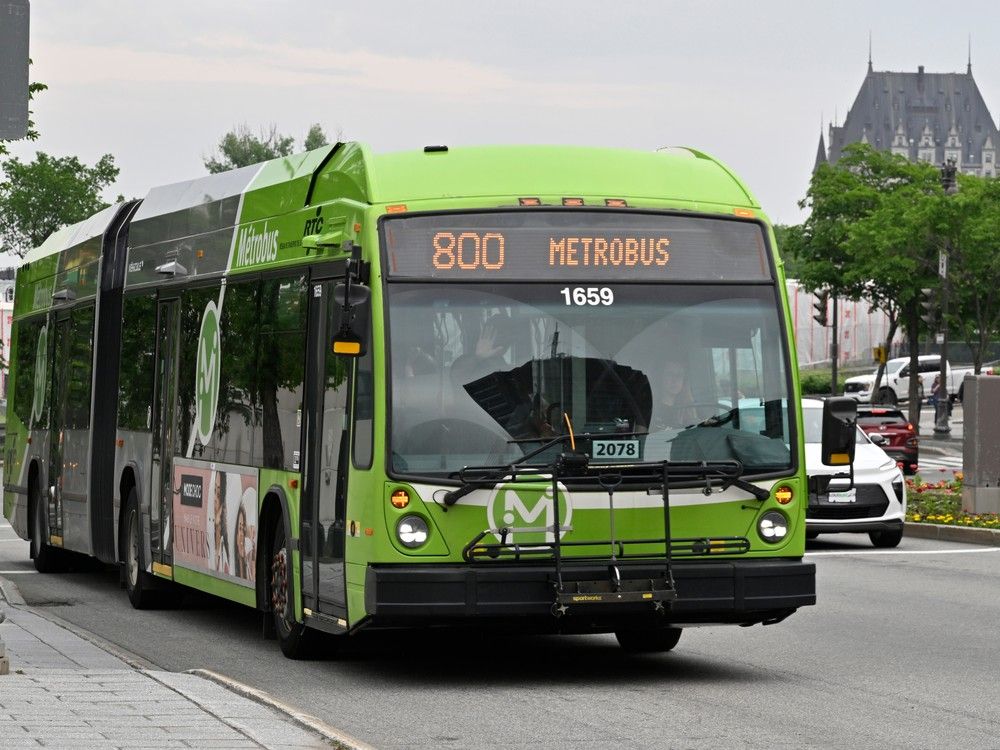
point(914, 105)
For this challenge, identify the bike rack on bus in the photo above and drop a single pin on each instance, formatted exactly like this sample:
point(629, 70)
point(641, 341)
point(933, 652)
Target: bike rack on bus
point(571, 469)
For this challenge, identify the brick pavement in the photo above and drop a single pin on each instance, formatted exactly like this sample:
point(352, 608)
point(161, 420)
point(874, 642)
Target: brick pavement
point(65, 692)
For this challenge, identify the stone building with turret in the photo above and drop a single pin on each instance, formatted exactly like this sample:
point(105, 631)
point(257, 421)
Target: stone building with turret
point(930, 117)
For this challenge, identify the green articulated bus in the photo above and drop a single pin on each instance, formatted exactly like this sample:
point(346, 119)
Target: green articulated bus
point(548, 389)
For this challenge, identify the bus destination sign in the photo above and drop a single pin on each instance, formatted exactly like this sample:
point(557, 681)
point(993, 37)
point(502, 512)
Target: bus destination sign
point(537, 245)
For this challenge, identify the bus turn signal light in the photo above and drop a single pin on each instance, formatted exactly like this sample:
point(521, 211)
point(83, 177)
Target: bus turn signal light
point(783, 494)
point(400, 499)
point(743, 212)
point(398, 208)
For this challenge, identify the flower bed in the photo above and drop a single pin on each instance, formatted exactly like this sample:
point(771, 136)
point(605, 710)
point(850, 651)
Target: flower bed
point(941, 502)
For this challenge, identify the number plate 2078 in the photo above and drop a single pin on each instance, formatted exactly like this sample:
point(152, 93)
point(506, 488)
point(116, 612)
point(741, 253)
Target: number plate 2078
point(615, 449)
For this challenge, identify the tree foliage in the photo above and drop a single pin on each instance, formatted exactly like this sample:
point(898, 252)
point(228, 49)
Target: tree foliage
point(241, 147)
point(877, 226)
point(43, 195)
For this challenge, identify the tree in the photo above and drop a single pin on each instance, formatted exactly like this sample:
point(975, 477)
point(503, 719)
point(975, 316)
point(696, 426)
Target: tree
point(241, 147)
point(315, 138)
point(873, 234)
point(974, 263)
point(41, 196)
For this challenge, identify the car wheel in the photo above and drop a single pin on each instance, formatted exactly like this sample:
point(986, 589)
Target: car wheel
point(648, 640)
point(887, 396)
point(886, 539)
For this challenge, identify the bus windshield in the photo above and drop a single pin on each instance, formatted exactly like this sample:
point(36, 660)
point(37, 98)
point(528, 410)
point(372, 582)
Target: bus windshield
point(483, 373)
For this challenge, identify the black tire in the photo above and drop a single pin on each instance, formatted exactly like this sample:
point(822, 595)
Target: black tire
point(140, 585)
point(48, 559)
point(295, 640)
point(812, 535)
point(648, 640)
point(887, 396)
point(886, 539)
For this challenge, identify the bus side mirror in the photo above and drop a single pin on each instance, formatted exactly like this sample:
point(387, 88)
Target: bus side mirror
point(354, 302)
point(840, 417)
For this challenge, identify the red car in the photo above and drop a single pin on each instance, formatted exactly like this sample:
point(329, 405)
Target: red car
point(898, 437)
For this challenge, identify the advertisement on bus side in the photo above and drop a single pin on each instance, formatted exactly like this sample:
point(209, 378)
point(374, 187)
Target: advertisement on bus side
point(215, 519)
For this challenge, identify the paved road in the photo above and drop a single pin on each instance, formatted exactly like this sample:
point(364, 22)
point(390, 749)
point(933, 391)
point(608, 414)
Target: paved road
point(900, 652)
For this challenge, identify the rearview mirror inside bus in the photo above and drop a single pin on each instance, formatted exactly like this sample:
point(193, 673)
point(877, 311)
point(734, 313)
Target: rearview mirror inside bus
point(352, 319)
point(840, 416)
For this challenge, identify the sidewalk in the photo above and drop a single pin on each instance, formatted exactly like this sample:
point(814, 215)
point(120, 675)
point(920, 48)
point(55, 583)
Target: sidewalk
point(950, 444)
point(64, 691)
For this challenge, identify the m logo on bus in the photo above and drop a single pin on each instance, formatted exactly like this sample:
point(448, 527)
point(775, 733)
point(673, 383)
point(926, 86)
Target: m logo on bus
point(206, 396)
point(521, 508)
point(41, 372)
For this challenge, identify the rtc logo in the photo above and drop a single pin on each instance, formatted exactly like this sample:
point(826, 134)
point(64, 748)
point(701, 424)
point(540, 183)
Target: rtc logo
point(521, 508)
point(206, 396)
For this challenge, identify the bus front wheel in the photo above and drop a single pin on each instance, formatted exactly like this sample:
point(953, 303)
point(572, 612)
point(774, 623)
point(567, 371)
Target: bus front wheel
point(293, 637)
point(648, 640)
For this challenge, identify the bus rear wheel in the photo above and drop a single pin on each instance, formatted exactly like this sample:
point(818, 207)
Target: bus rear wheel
point(648, 640)
point(47, 558)
point(293, 637)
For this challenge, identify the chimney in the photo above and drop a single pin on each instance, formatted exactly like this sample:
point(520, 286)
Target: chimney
point(920, 78)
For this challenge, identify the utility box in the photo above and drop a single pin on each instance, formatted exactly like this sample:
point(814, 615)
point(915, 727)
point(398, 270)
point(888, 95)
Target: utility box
point(13, 69)
point(981, 452)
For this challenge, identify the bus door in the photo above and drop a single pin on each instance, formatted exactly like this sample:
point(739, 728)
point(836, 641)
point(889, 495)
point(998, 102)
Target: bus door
point(57, 422)
point(325, 493)
point(164, 431)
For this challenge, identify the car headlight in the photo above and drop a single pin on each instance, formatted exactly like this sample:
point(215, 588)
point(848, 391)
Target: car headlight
point(772, 527)
point(412, 531)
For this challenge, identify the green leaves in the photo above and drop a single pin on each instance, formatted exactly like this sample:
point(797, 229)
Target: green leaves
point(240, 147)
point(41, 196)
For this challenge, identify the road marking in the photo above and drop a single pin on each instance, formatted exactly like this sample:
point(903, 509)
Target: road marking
point(901, 552)
point(9, 541)
point(16, 572)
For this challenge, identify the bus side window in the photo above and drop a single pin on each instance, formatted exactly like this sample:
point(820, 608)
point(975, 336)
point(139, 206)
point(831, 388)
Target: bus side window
point(78, 368)
point(135, 384)
point(281, 371)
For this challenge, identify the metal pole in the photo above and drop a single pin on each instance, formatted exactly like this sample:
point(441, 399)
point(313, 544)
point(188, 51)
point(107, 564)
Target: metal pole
point(941, 408)
point(834, 348)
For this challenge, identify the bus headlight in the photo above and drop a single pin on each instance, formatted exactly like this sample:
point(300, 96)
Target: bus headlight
point(412, 531)
point(772, 527)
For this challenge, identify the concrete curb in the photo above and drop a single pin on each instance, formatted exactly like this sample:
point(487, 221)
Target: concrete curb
point(945, 533)
point(340, 739)
point(10, 594)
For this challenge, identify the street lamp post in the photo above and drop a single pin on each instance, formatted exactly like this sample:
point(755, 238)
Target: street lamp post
point(943, 403)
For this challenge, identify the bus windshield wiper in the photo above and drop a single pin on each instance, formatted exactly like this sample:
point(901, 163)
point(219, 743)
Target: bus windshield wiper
point(494, 474)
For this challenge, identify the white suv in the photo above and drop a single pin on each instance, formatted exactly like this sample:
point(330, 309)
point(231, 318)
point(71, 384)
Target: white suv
point(875, 505)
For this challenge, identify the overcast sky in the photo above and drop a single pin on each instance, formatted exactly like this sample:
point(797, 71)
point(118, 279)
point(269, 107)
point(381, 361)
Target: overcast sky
point(157, 84)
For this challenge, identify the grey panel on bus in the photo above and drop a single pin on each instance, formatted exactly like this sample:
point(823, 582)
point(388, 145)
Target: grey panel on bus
point(91, 228)
point(190, 208)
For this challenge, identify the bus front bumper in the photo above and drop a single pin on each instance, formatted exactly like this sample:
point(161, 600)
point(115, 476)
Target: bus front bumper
point(743, 592)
